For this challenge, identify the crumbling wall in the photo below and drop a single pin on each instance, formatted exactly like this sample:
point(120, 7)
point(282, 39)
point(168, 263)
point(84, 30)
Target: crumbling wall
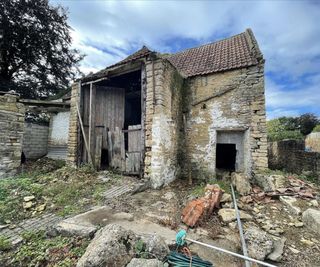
point(313, 142)
point(35, 140)
point(73, 137)
point(290, 155)
point(227, 101)
point(11, 133)
point(163, 122)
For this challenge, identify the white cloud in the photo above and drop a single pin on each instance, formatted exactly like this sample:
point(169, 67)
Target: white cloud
point(288, 34)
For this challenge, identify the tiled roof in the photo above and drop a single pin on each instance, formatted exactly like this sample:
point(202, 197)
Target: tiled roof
point(231, 53)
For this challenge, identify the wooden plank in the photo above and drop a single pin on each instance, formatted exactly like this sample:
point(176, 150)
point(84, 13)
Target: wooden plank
point(98, 147)
point(92, 119)
point(84, 136)
point(143, 117)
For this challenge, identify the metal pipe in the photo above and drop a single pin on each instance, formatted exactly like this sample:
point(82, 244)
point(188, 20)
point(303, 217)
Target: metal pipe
point(231, 253)
point(243, 242)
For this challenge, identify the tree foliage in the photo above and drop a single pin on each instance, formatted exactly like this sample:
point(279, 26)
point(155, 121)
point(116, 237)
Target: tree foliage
point(36, 55)
point(291, 127)
point(316, 129)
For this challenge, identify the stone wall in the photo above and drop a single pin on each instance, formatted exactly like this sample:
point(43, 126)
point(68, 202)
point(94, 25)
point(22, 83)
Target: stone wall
point(163, 122)
point(226, 102)
point(289, 155)
point(313, 142)
point(35, 140)
point(72, 156)
point(11, 133)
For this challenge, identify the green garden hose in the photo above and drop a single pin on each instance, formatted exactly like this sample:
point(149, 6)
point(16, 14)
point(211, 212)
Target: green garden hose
point(180, 260)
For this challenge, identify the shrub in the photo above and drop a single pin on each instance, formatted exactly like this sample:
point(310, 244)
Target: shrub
point(316, 129)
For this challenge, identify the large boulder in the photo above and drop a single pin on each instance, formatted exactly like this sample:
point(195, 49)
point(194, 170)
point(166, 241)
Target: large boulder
point(135, 262)
point(155, 245)
point(270, 182)
point(311, 219)
point(112, 246)
point(259, 243)
point(241, 183)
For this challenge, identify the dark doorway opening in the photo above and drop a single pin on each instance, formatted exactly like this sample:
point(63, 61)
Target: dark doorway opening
point(226, 157)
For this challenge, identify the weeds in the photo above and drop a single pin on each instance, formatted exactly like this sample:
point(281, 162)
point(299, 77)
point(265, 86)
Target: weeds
point(4, 243)
point(38, 250)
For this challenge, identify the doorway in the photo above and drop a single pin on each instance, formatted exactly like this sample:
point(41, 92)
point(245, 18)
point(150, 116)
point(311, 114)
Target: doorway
point(226, 157)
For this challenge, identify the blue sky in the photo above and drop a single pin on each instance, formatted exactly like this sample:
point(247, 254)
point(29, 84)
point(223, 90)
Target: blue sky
point(288, 33)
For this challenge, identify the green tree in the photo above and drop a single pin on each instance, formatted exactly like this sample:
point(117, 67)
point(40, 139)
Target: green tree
point(277, 130)
point(36, 58)
point(316, 129)
point(307, 122)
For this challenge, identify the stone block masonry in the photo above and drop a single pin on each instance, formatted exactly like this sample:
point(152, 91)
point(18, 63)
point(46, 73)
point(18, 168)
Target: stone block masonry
point(35, 140)
point(12, 116)
point(289, 155)
point(225, 103)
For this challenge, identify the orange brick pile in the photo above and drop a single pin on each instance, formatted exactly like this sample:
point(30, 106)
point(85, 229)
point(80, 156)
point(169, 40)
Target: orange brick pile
point(199, 208)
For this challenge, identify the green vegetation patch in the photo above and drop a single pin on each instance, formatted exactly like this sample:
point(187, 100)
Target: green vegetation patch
point(39, 250)
point(63, 191)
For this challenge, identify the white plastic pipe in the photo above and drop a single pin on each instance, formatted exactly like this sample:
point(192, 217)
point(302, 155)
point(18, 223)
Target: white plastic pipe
point(231, 253)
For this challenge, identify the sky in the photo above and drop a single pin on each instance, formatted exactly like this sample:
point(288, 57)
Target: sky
point(288, 33)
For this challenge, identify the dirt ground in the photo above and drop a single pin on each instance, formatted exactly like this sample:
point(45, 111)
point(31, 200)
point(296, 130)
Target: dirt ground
point(302, 246)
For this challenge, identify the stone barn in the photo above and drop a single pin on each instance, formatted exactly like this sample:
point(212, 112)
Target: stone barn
point(167, 115)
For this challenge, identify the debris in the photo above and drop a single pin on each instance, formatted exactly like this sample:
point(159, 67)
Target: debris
point(169, 196)
point(314, 203)
point(289, 202)
point(229, 215)
point(269, 182)
point(276, 254)
point(202, 207)
point(311, 219)
point(298, 224)
point(28, 198)
point(112, 246)
point(155, 245)
point(41, 208)
point(241, 183)
point(28, 205)
point(225, 198)
point(69, 228)
point(259, 243)
point(306, 242)
point(295, 251)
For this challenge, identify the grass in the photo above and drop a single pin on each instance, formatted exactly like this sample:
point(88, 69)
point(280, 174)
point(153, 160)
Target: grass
point(4, 243)
point(65, 191)
point(39, 250)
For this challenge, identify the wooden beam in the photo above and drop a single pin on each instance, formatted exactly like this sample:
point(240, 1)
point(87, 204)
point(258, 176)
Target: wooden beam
point(83, 132)
point(92, 119)
point(143, 117)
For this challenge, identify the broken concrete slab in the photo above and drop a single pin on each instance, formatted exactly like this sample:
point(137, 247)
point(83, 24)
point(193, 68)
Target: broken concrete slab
point(259, 243)
point(86, 224)
point(155, 245)
point(270, 182)
point(228, 215)
point(289, 202)
point(135, 262)
point(112, 246)
point(71, 228)
point(311, 219)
